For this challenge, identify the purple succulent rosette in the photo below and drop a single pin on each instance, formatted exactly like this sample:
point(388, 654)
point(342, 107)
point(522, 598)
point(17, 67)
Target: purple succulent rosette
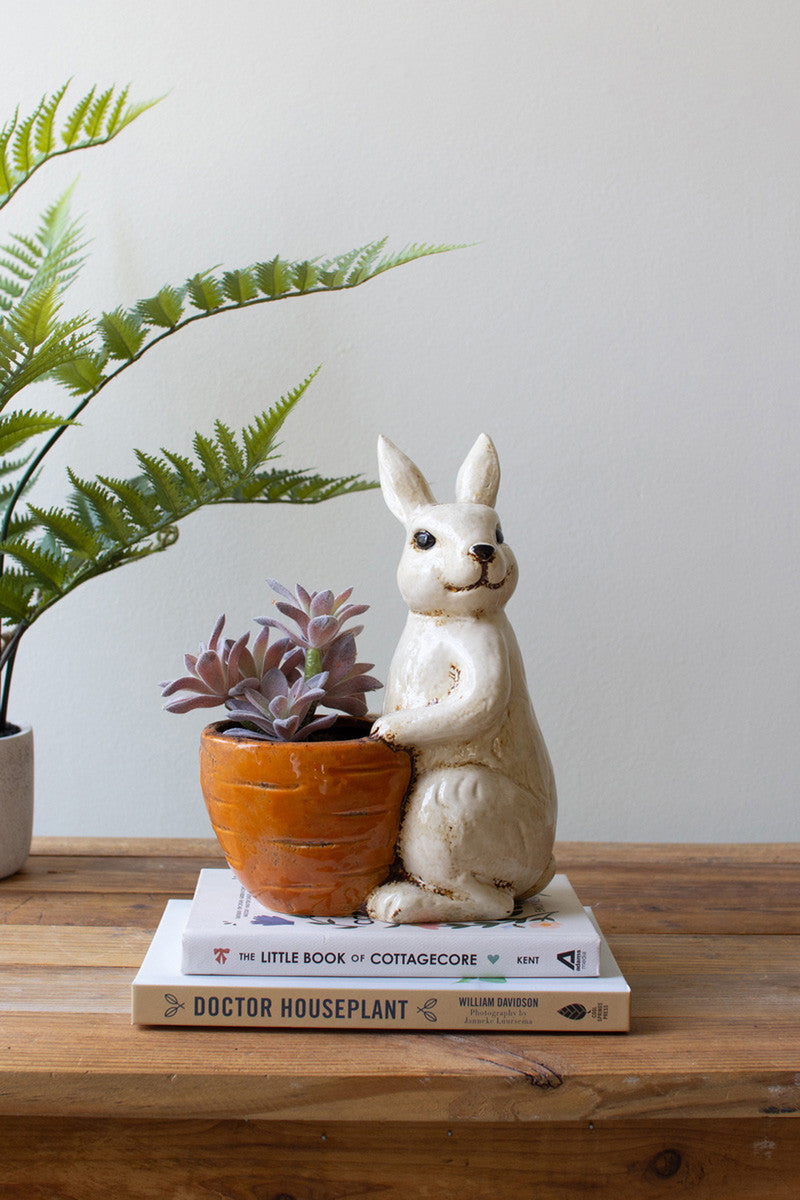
point(274, 689)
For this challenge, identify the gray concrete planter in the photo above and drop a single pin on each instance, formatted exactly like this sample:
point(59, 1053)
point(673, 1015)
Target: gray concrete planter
point(16, 799)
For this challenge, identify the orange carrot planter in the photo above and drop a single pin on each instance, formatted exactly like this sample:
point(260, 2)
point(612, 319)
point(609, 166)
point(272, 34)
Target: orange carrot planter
point(308, 827)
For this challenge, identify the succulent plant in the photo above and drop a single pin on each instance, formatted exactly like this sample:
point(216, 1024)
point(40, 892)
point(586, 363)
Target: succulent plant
point(274, 689)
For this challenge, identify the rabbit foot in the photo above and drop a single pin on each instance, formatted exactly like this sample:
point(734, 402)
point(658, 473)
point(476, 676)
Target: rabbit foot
point(405, 903)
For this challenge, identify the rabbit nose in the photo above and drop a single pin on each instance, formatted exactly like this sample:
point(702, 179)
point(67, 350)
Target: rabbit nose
point(482, 552)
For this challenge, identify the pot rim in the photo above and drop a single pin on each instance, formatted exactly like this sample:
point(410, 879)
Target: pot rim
point(216, 729)
point(21, 731)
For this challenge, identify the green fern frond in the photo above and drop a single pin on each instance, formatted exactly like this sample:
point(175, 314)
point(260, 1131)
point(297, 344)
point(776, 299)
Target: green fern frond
point(122, 333)
point(191, 479)
point(6, 172)
point(34, 316)
point(9, 466)
point(211, 459)
point(48, 570)
point(111, 522)
point(19, 525)
point(305, 276)
point(10, 290)
point(18, 427)
point(50, 259)
point(103, 512)
point(44, 141)
point(69, 134)
point(164, 309)
point(97, 111)
point(23, 152)
point(234, 459)
point(67, 529)
point(313, 489)
point(165, 484)
point(141, 507)
point(81, 374)
point(29, 142)
point(239, 286)
point(205, 292)
point(16, 591)
point(24, 258)
point(21, 365)
point(273, 277)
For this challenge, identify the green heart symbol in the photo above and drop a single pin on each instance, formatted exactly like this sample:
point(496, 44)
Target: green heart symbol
point(492, 957)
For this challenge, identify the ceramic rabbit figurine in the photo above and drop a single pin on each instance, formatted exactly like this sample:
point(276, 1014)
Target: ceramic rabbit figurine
point(479, 821)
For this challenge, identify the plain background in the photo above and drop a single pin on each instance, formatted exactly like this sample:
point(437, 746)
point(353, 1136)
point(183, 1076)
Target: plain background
point(624, 326)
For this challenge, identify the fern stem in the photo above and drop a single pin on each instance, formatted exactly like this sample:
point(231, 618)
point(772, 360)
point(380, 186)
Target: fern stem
point(7, 659)
point(33, 466)
point(88, 145)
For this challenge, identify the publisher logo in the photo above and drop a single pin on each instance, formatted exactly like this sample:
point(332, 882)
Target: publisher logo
point(573, 1012)
point(221, 954)
point(571, 959)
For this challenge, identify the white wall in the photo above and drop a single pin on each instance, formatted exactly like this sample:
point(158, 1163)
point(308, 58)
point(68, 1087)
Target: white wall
point(625, 329)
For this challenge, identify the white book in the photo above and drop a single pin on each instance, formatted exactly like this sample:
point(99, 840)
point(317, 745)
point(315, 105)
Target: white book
point(163, 995)
point(230, 933)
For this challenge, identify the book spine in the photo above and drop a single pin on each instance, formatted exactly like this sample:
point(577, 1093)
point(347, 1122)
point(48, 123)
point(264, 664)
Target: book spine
point(590, 1011)
point(529, 958)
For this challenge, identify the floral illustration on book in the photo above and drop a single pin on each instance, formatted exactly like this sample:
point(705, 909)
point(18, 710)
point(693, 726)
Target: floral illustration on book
point(526, 912)
point(174, 1004)
point(428, 1010)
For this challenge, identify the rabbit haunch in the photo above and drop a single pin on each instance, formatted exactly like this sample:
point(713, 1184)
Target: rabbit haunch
point(479, 821)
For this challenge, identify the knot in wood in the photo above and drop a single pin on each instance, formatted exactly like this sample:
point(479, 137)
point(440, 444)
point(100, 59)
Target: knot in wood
point(666, 1164)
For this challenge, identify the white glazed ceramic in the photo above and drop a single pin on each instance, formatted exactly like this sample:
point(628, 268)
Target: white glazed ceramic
point(480, 818)
point(16, 799)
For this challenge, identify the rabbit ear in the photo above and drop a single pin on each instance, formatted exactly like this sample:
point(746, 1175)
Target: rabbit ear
point(478, 479)
point(402, 483)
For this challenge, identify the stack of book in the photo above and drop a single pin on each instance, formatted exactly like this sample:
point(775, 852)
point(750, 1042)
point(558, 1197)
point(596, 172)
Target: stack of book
point(224, 959)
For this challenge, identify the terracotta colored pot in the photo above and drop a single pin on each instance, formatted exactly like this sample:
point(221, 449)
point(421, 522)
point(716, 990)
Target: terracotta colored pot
point(308, 827)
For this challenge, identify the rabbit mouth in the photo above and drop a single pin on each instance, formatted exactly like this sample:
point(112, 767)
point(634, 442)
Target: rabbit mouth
point(482, 582)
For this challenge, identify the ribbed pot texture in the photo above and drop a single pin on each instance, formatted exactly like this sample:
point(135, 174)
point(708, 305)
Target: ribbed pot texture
point(308, 827)
point(16, 799)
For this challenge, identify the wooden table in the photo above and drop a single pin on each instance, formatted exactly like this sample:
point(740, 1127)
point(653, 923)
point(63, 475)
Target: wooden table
point(697, 1100)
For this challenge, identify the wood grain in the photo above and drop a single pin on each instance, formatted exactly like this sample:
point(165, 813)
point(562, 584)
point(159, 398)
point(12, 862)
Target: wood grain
point(698, 1098)
point(230, 1160)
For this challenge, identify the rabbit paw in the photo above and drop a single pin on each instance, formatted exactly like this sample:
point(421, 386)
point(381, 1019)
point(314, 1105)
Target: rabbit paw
point(402, 902)
point(386, 728)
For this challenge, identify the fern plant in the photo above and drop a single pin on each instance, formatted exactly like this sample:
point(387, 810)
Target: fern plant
point(106, 522)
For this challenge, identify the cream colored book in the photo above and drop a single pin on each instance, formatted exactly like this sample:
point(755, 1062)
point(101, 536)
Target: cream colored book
point(230, 933)
point(163, 995)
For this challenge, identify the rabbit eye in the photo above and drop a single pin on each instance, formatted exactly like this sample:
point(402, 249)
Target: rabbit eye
point(424, 540)
point(499, 536)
